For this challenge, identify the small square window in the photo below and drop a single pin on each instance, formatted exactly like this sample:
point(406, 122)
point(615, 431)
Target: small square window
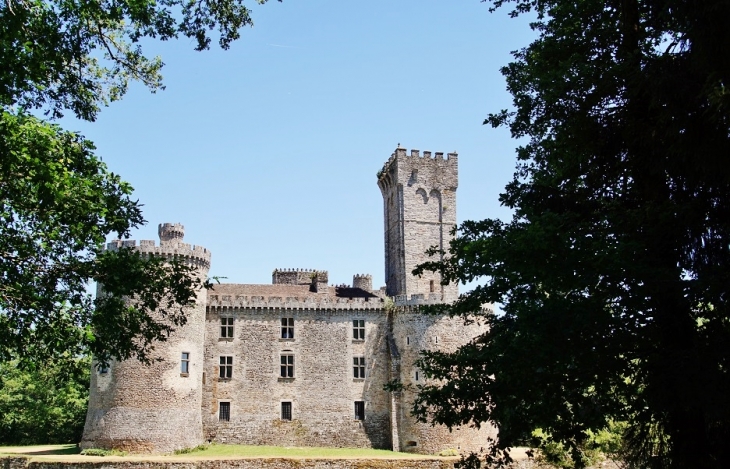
point(359, 410)
point(287, 328)
point(287, 365)
point(286, 410)
point(104, 369)
point(185, 363)
point(226, 328)
point(226, 367)
point(224, 412)
point(358, 329)
point(358, 367)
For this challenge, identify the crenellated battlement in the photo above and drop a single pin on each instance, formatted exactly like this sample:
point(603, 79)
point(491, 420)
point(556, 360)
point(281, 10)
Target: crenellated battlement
point(242, 302)
point(418, 299)
point(362, 281)
point(171, 245)
point(400, 160)
point(170, 232)
point(299, 277)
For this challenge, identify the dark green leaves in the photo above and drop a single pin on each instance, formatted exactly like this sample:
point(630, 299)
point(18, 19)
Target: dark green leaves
point(58, 203)
point(614, 271)
point(61, 55)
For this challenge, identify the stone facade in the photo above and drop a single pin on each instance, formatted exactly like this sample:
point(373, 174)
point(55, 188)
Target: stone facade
point(299, 362)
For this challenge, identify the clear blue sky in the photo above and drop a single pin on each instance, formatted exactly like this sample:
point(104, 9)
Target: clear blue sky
point(267, 152)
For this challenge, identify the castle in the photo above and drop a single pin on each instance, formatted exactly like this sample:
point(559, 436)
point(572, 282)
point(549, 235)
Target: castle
point(299, 362)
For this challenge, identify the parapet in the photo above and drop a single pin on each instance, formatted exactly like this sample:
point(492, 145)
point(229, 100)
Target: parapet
point(399, 161)
point(299, 276)
point(170, 232)
point(363, 282)
point(323, 303)
point(171, 245)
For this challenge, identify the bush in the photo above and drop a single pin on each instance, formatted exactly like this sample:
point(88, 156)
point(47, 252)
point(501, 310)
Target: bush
point(103, 452)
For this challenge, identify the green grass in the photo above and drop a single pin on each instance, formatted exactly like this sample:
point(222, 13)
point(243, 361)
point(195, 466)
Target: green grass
point(219, 450)
point(40, 449)
point(223, 451)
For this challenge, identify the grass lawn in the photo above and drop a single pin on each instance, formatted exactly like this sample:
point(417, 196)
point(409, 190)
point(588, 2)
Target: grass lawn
point(40, 449)
point(221, 451)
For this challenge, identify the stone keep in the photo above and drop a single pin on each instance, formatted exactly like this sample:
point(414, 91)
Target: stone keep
point(299, 362)
point(143, 408)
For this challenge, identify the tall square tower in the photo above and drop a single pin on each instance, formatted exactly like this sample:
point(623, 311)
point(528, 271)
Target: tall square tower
point(419, 200)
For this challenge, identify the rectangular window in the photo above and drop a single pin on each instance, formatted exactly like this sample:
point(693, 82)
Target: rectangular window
point(226, 367)
point(287, 365)
point(358, 367)
point(224, 412)
point(287, 328)
point(358, 329)
point(185, 363)
point(286, 410)
point(359, 410)
point(226, 328)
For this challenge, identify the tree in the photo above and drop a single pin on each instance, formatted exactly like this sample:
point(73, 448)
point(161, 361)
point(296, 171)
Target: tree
point(614, 270)
point(58, 201)
point(45, 403)
point(62, 55)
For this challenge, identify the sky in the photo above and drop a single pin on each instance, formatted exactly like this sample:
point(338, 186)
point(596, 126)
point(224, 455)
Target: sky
point(268, 152)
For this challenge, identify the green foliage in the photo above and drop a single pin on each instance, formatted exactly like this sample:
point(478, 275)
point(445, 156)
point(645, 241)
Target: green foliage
point(102, 452)
point(614, 270)
point(58, 201)
point(196, 449)
point(595, 448)
point(78, 55)
point(45, 403)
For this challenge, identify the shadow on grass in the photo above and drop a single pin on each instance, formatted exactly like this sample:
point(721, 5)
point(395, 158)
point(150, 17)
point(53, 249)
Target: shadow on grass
point(40, 450)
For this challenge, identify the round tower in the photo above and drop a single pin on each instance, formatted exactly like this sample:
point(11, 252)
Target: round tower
point(363, 282)
point(155, 408)
point(413, 333)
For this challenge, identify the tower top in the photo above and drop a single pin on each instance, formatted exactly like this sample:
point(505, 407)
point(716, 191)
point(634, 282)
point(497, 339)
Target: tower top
point(394, 170)
point(171, 245)
point(171, 232)
point(419, 200)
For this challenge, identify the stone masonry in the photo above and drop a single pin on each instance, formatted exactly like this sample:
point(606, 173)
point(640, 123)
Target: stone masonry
point(299, 362)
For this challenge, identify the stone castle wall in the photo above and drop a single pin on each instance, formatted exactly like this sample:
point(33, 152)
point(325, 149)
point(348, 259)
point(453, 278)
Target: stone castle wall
point(415, 332)
point(323, 390)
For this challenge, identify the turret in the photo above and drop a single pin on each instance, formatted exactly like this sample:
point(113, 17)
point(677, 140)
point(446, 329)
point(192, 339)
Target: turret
point(363, 282)
point(154, 408)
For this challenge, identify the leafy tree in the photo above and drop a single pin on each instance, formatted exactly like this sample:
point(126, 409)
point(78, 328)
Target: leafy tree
point(58, 201)
point(45, 403)
point(59, 55)
point(614, 270)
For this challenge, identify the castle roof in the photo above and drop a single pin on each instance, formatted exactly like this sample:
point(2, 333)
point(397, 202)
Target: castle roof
point(281, 295)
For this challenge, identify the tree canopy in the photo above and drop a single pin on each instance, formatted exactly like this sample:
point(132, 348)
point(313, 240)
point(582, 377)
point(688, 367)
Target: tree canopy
point(58, 201)
point(614, 272)
point(62, 55)
point(44, 403)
